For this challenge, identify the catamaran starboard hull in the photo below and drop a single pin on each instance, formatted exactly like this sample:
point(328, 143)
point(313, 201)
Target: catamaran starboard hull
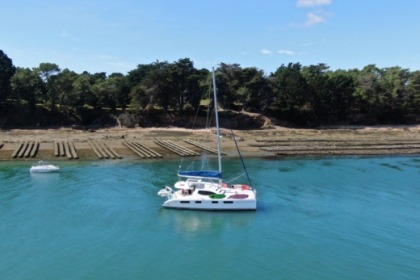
point(228, 205)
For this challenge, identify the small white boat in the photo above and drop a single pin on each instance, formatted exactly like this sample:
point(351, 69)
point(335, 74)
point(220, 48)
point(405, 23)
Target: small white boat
point(44, 167)
point(205, 189)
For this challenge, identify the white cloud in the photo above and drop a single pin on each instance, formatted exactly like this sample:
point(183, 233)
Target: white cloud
point(319, 16)
point(312, 3)
point(120, 66)
point(282, 51)
point(65, 34)
point(288, 52)
point(312, 19)
point(308, 44)
point(265, 51)
point(103, 57)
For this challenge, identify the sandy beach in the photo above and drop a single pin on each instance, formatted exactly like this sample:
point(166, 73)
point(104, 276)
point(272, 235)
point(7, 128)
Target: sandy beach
point(272, 142)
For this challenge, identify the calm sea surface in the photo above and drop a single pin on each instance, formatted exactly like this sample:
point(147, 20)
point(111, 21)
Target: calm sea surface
point(317, 218)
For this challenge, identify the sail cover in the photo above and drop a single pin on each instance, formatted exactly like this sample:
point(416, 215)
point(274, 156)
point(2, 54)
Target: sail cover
point(201, 174)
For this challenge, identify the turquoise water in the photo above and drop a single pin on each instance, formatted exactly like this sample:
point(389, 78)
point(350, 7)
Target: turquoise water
point(317, 218)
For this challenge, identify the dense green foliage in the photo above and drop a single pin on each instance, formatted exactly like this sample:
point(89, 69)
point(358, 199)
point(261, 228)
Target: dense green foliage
point(294, 94)
point(7, 71)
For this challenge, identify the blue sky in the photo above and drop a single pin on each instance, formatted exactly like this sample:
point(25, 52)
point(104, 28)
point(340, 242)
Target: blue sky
point(116, 36)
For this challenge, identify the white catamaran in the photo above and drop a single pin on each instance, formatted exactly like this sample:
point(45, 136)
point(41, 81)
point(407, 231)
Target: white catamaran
point(205, 190)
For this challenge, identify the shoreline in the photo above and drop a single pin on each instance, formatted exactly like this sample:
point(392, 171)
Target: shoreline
point(274, 142)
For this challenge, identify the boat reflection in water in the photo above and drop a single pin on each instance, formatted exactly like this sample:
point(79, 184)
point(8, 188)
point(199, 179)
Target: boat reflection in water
point(199, 222)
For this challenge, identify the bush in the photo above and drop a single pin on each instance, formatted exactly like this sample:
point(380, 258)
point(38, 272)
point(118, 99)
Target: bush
point(127, 120)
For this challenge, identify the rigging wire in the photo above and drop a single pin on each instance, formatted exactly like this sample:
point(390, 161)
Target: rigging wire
point(237, 149)
point(208, 107)
point(235, 178)
point(209, 119)
point(204, 156)
point(240, 156)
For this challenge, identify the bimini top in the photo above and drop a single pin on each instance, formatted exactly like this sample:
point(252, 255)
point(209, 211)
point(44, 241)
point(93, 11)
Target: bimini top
point(201, 174)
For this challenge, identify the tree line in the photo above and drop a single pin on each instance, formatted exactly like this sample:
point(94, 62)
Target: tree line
point(294, 94)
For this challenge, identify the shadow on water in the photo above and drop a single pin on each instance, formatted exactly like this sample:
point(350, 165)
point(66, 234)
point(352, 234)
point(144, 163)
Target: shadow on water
point(395, 167)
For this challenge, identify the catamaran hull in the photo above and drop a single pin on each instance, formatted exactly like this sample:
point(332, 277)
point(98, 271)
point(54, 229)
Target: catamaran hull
point(213, 205)
point(47, 169)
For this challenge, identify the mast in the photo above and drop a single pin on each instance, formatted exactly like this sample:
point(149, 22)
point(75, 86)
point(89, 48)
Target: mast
point(219, 153)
